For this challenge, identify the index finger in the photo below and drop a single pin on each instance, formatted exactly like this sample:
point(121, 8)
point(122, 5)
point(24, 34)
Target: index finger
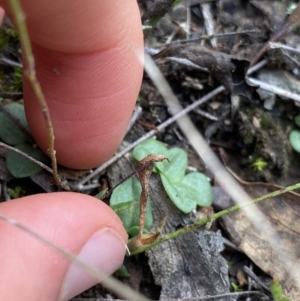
point(88, 61)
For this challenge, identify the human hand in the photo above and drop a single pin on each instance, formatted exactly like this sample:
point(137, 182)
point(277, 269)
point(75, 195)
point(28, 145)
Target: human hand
point(97, 48)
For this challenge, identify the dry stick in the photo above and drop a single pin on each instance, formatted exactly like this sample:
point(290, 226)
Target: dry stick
point(274, 45)
point(274, 89)
point(257, 280)
point(135, 116)
point(188, 19)
point(209, 23)
point(64, 184)
point(112, 284)
point(222, 176)
point(235, 295)
point(31, 75)
point(266, 46)
point(207, 37)
point(10, 62)
point(26, 156)
point(159, 128)
point(224, 296)
point(292, 20)
point(249, 279)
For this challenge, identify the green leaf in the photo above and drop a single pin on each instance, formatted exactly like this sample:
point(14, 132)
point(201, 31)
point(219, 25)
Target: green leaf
point(21, 167)
point(101, 193)
point(175, 169)
point(15, 193)
point(276, 290)
point(294, 138)
point(128, 212)
point(121, 272)
point(134, 231)
point(9, 131)
point(125, 202)
point(186, 192)
point(183, 197)
point(297, 120)
point(201, 185)
point(175, 2)
point(235, 287)
point(130, 190)
point(284, 299)
point(149, 146)
point(193, 190)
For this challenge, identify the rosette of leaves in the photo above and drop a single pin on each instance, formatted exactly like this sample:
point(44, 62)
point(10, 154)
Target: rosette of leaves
point(17, 136)
point(187, 191)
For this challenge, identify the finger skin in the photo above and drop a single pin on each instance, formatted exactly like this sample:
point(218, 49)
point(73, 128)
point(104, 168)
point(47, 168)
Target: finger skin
point(89, 63)
point(68, 219)
point(2, 13)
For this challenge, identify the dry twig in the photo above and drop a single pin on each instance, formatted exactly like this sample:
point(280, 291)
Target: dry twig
point(31, 75)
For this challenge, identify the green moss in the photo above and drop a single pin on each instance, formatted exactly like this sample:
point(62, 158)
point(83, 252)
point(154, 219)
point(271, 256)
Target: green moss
point(259, 164)
point(17, 78)
point(7, 35)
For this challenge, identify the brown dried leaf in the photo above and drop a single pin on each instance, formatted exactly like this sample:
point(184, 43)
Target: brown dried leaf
point(149, 238)
point(241, 278)
point(145, 168)
point(283, 215)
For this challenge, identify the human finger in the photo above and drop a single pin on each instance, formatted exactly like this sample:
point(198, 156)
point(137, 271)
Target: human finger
point(88, 60)
point(78, 223)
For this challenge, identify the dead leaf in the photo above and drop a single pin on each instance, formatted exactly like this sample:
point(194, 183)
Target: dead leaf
point(283, 215)
point(145, 239)
point(230, 71)
point(145, 169)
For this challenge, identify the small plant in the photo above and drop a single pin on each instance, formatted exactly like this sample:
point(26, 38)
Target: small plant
point(186, 191)
point(259, 164)
point(130, 199)
point(235, 287)
point(12, 134)
point(16, 192)
point(8, 36)
point(276, 291)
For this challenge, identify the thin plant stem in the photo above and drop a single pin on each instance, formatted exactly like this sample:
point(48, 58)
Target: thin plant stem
point(30, 73)
point(110, 283)
point(26, 156)
point(215, 216)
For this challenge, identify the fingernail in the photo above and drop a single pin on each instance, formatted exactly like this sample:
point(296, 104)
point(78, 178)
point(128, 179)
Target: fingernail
point(105, 250)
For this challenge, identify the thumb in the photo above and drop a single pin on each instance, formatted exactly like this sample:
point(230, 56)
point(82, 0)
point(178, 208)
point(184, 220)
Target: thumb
point(78, 223)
